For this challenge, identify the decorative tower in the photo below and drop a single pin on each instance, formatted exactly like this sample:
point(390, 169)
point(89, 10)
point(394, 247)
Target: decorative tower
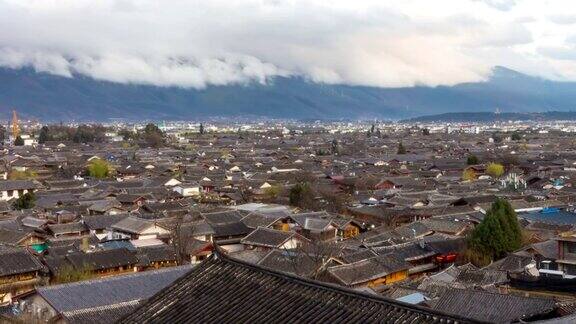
point(15, 125)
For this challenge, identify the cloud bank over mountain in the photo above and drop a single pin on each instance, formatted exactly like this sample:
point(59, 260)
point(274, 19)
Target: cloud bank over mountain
point(195, 44)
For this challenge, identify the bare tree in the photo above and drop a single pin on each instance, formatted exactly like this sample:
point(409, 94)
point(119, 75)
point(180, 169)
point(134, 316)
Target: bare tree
point(182, 233)
point(311, 259)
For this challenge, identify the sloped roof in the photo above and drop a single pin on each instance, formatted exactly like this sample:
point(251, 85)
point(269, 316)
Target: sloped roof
point(267, 237)
point(18, 185)
point(359, 255)
point(101, 314)
point(12, 237)
point(103, 221)
point(15, 260)
point(133, 225)
point(157, 253)
point(294, 262)
point(481, 277)
point(254, 220)
point(102, 259)
point(223, 290)
point(366, 270)
point(222, 217)
point(66, 228)
point(108, 291)
point(492, 307)
point(230, 229)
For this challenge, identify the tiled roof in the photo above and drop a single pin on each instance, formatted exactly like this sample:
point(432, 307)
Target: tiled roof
point(101, 314)
point(132, 225)
point(18, 185)
point(267, 237)
point(492, 307)
point(367, 270)
point(102, 259)
point(12, 237)
point(15, 260)
point(67, 228)
point(103, 221)
point(223, 217)
point(108, 291)
point(223, 290)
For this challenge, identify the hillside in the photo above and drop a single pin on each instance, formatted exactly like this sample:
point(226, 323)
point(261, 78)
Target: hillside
point(55, 98)
point(489, 117)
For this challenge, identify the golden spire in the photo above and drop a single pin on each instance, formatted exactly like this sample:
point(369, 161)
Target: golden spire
point(15, 125)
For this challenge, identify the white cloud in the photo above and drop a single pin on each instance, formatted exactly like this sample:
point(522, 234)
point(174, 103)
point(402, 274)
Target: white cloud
point(194, 43)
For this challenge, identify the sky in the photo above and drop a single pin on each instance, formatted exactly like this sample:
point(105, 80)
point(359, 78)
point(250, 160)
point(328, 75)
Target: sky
point(199, 43)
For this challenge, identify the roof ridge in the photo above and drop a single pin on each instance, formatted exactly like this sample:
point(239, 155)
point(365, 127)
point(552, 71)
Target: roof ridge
point(103, 307)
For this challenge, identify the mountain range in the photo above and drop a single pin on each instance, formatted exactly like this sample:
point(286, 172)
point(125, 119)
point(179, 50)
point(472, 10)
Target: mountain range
point(491, 117)
point(55, 98)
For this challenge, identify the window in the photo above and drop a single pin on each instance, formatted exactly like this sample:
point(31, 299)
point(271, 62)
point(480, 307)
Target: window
point(571, 247)
point(10, 193)
point(570, 269)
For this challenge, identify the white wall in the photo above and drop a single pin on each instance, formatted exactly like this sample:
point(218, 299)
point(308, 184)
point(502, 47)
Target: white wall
point(15, 194)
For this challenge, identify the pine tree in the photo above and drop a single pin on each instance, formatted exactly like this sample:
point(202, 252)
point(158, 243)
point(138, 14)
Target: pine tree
point(26, 201)
point(498, 233)
point(514, 231)
point(335, 147)
point(18, 141)
point(44, 135)
point(401, 148)
point(472, 160)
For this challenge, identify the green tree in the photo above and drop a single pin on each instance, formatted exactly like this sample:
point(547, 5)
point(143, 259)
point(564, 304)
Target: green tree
point(18, 141)
point(26, 201)
point(99, 169)
point(496, 137)
point(516, 136)
point(509, 222)
point(499, 232)
point(425, 131)
point(371, 131)
point(495, 170)
point(335, 149)
point(89, 133)
point(472, 160)
point(201, 129)
point(44, 135)
point(401, 148)
point(2, 133)
point(272, 192)
point(70, 274)
point(153, 136)
point(126, 134)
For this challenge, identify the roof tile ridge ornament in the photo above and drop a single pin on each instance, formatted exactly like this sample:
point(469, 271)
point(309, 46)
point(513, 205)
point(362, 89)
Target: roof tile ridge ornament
point(219, 252)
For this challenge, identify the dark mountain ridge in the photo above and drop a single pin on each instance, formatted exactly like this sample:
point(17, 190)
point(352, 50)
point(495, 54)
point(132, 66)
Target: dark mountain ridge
point(490, 117)
point(53, 98)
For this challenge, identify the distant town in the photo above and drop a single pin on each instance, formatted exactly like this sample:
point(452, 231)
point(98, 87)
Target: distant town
point(264, 221)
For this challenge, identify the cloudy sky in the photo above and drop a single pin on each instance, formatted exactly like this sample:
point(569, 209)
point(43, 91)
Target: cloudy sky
point(192, 43)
